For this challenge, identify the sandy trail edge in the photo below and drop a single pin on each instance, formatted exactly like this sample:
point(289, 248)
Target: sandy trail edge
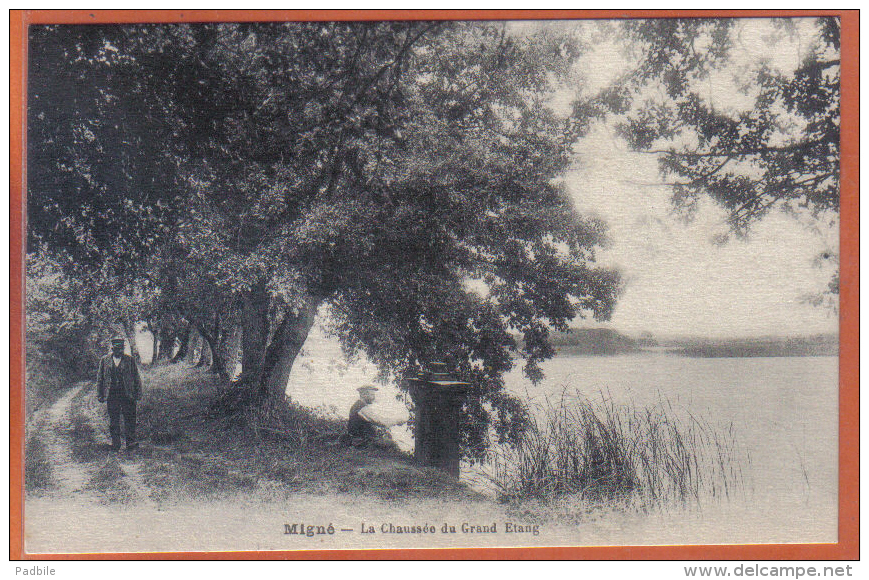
point(51, 425)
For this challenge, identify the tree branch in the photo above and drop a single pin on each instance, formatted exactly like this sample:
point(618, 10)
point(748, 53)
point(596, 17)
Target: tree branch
point(731, 153)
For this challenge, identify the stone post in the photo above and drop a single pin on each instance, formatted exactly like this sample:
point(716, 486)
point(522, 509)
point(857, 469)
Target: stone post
point(437, 398)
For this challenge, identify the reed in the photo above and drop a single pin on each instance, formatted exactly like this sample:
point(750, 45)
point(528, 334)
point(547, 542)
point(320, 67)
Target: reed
point(603, 451)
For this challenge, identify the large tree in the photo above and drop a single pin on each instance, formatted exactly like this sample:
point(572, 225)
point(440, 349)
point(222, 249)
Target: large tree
point(404, 174)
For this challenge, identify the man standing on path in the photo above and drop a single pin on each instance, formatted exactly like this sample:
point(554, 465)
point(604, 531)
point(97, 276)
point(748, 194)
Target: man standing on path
point(118, 382)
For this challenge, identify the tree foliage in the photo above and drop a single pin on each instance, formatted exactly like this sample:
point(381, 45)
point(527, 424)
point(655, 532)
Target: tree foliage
point(102, 179)
point(780, 150)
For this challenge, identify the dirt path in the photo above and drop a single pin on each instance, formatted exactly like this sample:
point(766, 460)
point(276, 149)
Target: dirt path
point(52, 426)
point(72, 431)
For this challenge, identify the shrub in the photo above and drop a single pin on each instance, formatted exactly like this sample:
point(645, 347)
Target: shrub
point(62, 342)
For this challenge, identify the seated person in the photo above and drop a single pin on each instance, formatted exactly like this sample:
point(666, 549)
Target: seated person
point(363, 429)
point(357, 426)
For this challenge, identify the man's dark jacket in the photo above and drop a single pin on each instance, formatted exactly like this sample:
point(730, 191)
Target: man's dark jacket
point(357, 426)
point(130, 384)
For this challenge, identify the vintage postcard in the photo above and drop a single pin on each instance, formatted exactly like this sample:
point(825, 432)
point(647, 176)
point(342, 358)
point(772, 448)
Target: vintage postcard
point(295, 282)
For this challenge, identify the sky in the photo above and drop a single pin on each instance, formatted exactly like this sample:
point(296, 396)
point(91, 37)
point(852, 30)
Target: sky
point(678, 281)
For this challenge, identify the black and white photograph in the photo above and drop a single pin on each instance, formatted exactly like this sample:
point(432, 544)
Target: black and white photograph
point(369, 284)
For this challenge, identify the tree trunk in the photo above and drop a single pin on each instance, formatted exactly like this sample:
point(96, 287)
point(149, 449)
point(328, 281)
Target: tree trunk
point(266, 364)
point(208, 356)
point(285, 346)
point(255, 333)
point(130, 332)
point(207, 359)
point(204, 358)
point(194, 347)
point(164, 348)
point(181, 353)
point(155, 341)
point(230, 349)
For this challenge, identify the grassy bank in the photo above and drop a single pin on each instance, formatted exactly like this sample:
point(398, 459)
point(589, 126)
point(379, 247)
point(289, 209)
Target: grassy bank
point(295, 451)
point(38, 472)
point(185, 454)
point(46, 380)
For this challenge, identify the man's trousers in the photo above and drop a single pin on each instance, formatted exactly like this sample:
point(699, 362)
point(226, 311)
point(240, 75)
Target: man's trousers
point(125, 406)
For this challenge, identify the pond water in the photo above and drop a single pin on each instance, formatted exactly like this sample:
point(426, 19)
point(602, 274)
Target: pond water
point(784, 410)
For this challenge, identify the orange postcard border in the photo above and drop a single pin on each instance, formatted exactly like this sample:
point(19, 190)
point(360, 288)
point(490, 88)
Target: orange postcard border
point(847, 548)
